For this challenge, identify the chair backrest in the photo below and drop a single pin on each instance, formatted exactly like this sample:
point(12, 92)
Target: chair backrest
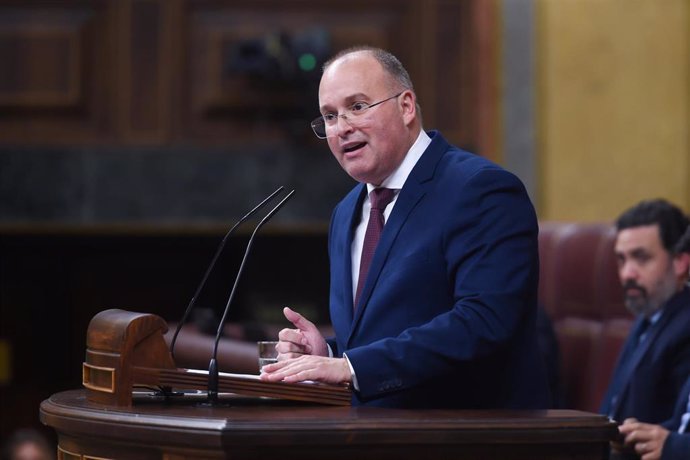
point(580, 291)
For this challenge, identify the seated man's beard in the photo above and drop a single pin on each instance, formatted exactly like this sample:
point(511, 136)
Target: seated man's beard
point(644, 303)
point(638, 305)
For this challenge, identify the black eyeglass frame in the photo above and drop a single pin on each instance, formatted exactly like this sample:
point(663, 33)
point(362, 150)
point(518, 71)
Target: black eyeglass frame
point(322, 122)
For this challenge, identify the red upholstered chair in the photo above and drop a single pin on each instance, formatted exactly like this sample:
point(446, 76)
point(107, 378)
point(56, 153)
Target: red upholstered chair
point(579, 289)
point(617, 319)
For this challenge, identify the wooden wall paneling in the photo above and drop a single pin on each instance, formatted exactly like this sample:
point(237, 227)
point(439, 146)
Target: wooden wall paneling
point(218, 106)
point(54, 80)
point(221, 105)
point(421, 63)
point(145, 70)
point(160, 71)
point(41, 67)
point(484, 19)
point(464, 82)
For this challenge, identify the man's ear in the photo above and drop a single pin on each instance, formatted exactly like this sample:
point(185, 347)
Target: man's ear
point(409, 106)
point(681, 264)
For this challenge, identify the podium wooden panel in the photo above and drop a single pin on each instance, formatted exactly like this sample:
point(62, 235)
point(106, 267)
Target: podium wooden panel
point(253, 428)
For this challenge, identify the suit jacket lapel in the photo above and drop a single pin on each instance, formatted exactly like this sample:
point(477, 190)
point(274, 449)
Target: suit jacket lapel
point(633, 360)
point(630, 360)
point(412, 192)
point(353, 209)
point(681, 408)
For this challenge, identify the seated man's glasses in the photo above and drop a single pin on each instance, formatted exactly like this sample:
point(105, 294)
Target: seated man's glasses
point(325, 126)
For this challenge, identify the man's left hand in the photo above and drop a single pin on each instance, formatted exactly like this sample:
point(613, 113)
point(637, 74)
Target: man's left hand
point(647, 439)
point(308, 367)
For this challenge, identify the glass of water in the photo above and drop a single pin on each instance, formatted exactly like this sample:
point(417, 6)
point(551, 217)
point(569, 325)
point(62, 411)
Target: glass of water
point(267, 353)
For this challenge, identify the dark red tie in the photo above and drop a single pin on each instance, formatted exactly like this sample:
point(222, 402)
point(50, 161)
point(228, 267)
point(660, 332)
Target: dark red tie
point(379, 198)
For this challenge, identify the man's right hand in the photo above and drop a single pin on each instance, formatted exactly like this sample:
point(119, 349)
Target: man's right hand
point(304, 340)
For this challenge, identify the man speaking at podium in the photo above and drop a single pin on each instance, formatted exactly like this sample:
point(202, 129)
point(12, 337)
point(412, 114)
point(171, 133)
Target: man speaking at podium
point(437, 307)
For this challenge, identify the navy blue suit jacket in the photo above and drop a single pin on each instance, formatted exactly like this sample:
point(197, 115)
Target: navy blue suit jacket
point(447, 313)
point(648, 379)
point(677, 446)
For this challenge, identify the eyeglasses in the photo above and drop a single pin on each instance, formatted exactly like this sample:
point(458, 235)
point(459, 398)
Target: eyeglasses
point(324, 125)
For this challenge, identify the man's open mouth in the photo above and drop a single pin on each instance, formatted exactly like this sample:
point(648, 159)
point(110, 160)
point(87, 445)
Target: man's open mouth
point(354, 147)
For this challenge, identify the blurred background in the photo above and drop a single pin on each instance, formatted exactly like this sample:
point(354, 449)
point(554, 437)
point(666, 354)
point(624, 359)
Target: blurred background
point(133, 133)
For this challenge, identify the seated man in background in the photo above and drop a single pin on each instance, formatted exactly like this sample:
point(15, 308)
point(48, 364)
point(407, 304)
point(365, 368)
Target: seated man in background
point(655, 360)
point(670, 440)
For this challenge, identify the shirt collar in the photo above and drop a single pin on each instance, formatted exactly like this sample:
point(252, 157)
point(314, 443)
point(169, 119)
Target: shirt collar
point(655, 317)
point(397, 179)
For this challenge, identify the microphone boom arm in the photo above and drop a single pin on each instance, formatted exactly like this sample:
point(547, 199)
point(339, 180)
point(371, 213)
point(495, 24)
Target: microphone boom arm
point(192, 302)
point(213, 364)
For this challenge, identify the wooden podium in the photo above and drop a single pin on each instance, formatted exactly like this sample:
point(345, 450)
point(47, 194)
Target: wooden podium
point(126, 350)
point(254, 428)
point(114, 417)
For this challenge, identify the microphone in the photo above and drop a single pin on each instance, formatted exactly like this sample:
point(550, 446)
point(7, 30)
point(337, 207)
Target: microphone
point(190, 306)
point(213, 364)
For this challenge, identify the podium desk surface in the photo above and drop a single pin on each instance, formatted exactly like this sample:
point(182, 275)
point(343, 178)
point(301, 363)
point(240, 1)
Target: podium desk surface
point(263, 428)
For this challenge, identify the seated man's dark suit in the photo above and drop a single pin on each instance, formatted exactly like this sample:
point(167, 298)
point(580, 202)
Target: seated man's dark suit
point(648, 377)
point(447, 313)
point(677, 445)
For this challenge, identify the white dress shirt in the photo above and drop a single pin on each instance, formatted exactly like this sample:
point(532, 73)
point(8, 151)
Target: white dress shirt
point(395, 182)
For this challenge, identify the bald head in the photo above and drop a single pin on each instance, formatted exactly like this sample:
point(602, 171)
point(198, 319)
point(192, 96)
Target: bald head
point(388, 62)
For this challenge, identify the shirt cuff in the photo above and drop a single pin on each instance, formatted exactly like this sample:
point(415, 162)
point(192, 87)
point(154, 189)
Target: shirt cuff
point(355, 385)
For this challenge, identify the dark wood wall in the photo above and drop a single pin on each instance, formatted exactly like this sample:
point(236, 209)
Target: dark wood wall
point(147, 115)
point(130, 72)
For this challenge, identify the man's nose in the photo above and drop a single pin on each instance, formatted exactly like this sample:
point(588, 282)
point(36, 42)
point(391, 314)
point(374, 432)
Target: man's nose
point(628, 271)
point(342, 125)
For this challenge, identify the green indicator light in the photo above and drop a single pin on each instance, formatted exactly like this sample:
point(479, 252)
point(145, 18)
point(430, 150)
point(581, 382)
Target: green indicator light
point(307, 62)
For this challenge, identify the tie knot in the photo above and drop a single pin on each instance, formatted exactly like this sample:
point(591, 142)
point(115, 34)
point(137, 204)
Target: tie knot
point(380, 197)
